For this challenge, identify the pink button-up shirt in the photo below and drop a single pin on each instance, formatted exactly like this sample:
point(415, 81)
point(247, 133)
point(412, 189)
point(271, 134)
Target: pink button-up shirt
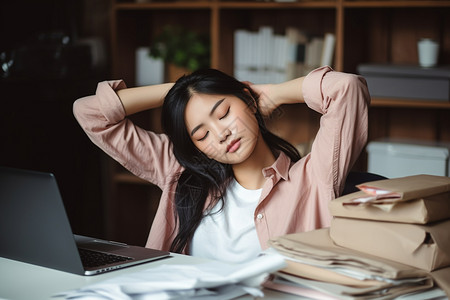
point(294, 197)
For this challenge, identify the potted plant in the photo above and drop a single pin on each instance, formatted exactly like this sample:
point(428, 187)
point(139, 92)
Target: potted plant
point(182, 48)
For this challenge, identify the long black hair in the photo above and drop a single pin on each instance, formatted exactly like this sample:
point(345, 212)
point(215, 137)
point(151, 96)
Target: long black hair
point(202, 176)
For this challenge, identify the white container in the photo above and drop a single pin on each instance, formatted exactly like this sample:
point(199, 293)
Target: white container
point(398, 159)
point(148, 70)
point(428, 52)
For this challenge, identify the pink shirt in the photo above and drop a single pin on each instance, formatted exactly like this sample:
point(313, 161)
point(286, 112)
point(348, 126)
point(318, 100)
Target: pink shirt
point(294, 197)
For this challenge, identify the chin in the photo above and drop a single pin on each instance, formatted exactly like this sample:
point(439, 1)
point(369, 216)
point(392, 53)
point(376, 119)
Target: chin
point(242, 156)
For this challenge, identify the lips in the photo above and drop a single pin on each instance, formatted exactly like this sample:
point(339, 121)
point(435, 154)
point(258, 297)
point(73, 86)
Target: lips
point(234, 145)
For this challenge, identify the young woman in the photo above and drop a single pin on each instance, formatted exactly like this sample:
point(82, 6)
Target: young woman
point(228, 184)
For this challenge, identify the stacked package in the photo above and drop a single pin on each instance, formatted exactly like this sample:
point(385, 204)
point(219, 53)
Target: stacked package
point(392, 238)
point(405, 219)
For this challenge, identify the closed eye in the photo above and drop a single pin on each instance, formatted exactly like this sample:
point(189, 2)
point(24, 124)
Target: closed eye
point(226, 114)
point(204, 137)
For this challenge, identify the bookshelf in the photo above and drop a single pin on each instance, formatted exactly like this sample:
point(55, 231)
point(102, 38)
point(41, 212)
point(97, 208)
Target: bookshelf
point(366, 32)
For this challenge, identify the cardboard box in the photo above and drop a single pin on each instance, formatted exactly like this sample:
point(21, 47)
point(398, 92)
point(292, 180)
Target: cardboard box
point(422, 246)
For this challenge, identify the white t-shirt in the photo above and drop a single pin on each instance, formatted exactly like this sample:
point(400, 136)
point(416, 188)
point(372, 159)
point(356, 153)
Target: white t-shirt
point(229, 234)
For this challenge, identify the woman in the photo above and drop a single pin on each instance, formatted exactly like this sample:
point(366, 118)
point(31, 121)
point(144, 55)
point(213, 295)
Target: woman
point(228, 184)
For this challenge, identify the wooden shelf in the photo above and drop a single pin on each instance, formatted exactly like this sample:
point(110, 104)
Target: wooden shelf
point(398, 102)
point(281, 5)
point(163, 5)
point(224, 5)
point(394, 102)
point(274, 5)
point(393, 3)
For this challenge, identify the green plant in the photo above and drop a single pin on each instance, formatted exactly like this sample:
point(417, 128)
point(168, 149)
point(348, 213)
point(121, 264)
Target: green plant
point(181, 47)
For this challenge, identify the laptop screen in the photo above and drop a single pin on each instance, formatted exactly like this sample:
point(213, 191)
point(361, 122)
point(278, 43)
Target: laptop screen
point(34, 227)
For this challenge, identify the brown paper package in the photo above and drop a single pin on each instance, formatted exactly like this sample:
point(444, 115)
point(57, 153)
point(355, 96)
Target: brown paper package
point(418, 211)
point(419, 199)
point(423, 246)
point(315, 248)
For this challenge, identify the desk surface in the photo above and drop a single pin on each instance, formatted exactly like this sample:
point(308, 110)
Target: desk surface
point(22, 281)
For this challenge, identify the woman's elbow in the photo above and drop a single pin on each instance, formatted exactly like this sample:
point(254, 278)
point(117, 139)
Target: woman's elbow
point(356, 86)
point(83, 112)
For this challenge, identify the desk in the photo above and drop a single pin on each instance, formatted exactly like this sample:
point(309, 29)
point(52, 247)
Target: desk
point(22, 281)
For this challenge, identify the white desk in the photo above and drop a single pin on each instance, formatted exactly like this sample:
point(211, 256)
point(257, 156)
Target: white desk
point(22, 281)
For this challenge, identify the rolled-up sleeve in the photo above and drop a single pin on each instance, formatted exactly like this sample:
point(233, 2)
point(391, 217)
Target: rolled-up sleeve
point(343, 101)
point(145, 153)
point(101, 110)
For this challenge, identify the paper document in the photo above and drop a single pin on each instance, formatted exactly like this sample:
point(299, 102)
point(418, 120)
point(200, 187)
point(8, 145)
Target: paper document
point(211, 280)
point(402, 189)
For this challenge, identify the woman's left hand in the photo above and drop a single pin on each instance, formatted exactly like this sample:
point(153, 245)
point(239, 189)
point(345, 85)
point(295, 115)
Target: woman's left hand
point(267, 101)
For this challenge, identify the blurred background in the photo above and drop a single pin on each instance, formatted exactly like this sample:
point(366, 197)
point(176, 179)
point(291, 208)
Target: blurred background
point(53, 52)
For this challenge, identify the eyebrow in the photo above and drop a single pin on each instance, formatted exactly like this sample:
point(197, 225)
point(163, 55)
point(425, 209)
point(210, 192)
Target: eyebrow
point(216, 105)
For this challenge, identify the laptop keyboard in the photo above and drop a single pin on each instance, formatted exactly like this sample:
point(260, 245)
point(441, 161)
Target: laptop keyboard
point(92, 259)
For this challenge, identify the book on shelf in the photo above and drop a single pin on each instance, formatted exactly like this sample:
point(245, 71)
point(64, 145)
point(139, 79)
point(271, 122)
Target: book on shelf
point(259, 56)
point(328, 49)
point(297, 43)
point(266, 57)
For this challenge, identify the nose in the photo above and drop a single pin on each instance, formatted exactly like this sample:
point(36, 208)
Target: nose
point(223, 135)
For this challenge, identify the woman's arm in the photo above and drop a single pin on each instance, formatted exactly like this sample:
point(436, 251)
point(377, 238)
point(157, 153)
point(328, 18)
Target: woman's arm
point(143, 98)
point(273, 95)
point(103, 117)
point(343, 101)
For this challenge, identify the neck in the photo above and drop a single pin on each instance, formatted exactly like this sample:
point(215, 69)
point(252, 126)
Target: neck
point(249, 172)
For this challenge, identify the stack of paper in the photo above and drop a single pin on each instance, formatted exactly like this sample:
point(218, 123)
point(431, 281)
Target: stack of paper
point(211, 280)
point(319, 269)
point(389, 239)
point(403, 219)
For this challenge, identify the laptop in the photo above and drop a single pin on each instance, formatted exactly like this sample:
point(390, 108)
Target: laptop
point(34, 228)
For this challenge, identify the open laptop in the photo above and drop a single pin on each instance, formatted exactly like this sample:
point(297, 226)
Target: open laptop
point(34, 228)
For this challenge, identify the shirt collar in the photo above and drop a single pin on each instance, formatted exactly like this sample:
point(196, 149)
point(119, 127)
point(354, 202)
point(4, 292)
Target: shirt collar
point(279, 167)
